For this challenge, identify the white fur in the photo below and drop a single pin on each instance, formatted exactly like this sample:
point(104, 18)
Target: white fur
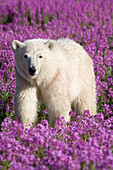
point(64, 79)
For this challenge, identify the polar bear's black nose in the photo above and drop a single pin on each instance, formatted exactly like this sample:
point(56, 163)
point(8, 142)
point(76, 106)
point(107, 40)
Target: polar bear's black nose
point(32, 70)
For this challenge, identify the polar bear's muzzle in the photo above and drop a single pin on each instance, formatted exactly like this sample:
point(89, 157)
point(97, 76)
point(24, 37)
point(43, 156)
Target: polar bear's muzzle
point(32, 70)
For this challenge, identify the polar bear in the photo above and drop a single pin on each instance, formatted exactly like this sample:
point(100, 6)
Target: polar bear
point(59, 73)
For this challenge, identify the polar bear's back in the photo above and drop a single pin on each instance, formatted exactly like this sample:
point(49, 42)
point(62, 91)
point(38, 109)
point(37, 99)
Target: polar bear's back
point(67, 44)
point(73, 51)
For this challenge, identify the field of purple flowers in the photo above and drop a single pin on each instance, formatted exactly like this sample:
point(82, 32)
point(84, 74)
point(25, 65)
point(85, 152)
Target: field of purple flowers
point(86, 142)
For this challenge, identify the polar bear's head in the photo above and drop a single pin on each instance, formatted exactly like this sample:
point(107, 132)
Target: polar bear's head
point(31, 55)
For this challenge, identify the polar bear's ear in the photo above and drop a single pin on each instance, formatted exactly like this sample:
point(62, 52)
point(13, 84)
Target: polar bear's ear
point(16, 44)
point(50, 44)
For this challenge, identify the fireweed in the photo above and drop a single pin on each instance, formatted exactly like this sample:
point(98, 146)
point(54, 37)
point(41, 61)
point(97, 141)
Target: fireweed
point(86, 142)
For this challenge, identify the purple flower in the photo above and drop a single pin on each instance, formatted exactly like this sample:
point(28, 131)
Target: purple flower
point(87, 141)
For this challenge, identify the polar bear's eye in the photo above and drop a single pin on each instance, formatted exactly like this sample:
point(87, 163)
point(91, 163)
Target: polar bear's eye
point(40, 56)
point(25, 56)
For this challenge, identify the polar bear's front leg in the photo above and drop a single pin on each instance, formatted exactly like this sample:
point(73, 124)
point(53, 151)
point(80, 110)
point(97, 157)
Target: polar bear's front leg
point(25, 103)
point(53, 115)
point(58, 109)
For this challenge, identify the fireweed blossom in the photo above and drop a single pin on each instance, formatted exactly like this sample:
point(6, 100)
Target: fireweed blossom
point(86, 142)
